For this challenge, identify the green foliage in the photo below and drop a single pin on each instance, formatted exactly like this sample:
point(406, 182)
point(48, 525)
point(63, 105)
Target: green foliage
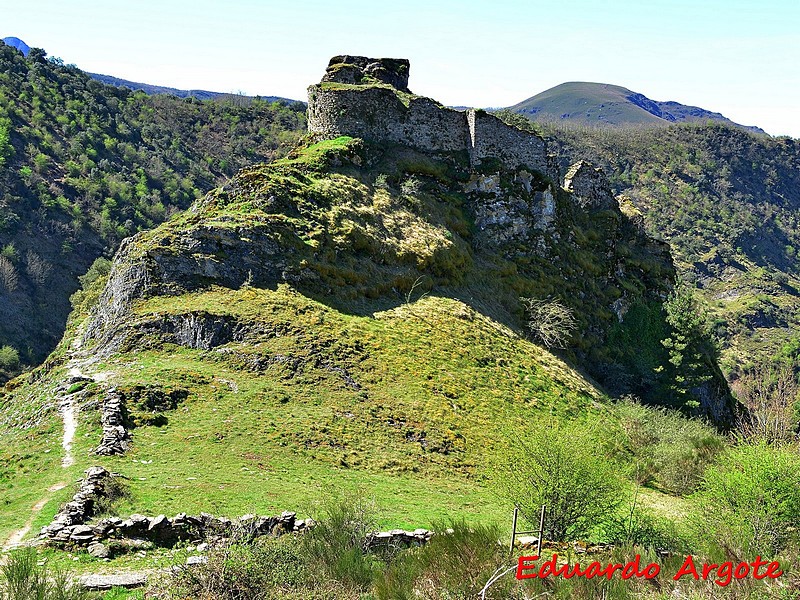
point(92, 284)
point(456, 563)
point(22, 578)
point(642, 527)
point(662, 447)
point(691, 352)
point(9, 358)
point(336, 545)
point(560, 465)
point(749, 501)
point(261, 569)
point(727, 202)
point(95, 164)
point(6, 149)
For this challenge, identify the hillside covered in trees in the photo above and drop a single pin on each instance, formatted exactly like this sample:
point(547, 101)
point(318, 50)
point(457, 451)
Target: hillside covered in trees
point(84, 165)
point(728, 203)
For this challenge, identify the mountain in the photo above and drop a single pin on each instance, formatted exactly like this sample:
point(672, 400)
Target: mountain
point(361, 313)
point(605, 104)
point(198, 94)
point(17, 43)
point(84, 165)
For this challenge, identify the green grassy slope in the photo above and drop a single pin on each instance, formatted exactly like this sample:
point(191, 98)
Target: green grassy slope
point(337, 322)
point(586, 102)
point(603, 104)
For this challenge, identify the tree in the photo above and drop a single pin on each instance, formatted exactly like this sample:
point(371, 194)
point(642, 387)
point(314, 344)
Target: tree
point(770, 394)
point(9, 358)
point(691, 350)
point(8, 274)
point(549, 321)
point(558, 466)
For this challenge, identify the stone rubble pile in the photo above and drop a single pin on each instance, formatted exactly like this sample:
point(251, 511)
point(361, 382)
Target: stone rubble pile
point(398, 538)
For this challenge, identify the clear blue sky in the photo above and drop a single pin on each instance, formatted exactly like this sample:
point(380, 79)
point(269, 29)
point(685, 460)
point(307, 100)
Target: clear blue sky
point(732, 56)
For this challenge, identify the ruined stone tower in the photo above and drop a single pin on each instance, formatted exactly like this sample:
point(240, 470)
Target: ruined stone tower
point(369, 98)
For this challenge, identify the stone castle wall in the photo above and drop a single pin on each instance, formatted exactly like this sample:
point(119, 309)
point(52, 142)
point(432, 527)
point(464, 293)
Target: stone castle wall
point(491, 138)
point(377, 114)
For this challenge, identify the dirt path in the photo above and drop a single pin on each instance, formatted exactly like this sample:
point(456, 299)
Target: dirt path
point(69, 416)
point(16, 538)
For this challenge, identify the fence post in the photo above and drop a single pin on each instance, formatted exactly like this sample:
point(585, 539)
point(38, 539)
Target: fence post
point(513, 530)
point(541, 533)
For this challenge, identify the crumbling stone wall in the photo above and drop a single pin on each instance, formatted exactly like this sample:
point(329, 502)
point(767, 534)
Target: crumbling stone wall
point(377, 114)
point(343, 105)
point(492, 138)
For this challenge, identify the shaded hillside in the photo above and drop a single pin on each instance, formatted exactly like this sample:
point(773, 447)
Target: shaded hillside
point(17, 43)
point(605, 104)
point(728, 202)
point(83, 165)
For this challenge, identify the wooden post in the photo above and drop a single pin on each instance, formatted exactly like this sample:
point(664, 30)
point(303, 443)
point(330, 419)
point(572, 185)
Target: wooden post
point(541, 533)
point(513, 530)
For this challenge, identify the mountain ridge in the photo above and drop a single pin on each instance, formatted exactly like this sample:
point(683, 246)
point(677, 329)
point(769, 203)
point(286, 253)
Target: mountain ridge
point(608, 104)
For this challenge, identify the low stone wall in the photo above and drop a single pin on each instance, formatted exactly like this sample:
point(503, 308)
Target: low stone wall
point(67, 526)
point(70, 527)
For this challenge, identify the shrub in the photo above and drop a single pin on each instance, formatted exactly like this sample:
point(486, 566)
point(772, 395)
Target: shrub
point(770, 394)
point(664, 447)
point(549, 321)
point(749, 502)
point(258, 569)
point(456, 563)
point(22, 578)
point(9, 358)
point(336, 545)
point(561, 467)
point(639, 526)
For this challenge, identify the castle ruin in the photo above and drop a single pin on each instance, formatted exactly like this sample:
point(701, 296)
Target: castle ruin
point(369, 98)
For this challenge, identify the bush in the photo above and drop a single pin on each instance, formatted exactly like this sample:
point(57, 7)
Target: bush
point(258, 569)
point(9, 358)
point(749, 502)
point(22, 578)
point(456, 563)
point(549, 321)
point(664, 447)
point(640, 527)
point(336, 545)
point(560, 466)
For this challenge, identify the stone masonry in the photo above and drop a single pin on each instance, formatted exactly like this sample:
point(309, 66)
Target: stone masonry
point(368, 98)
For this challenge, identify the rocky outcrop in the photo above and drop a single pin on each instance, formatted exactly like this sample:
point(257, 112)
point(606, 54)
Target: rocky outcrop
point(185, 261)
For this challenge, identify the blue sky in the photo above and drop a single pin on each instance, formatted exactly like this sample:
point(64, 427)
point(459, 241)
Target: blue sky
point(735, 57)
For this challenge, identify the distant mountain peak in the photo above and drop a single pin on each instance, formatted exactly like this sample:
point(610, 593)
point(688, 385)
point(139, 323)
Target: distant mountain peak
point(17, 43)
point(607, 104)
